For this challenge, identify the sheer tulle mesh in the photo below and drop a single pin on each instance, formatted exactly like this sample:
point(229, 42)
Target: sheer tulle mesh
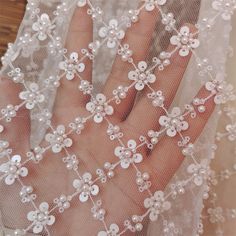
point(100, 140)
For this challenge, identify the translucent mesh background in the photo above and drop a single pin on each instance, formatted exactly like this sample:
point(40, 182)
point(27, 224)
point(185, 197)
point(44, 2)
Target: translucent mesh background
point(186, 209)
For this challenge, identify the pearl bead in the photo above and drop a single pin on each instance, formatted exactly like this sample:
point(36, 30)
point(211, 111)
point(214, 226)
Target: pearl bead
point(185, 151)
point(80, 126)
point(146, 176)
point(110, 174)
point(109, 132)
point(155, 103)
point(128, 153)
point(116, 128)
point(162, 55)
point(123, 95)
point(139, 181)
point(13, 169)
point(29, 189)
point(139, 227)
point(99, 109)
point(102, 212)
point(40, 216)
point(63, 198)
point(151, 133)
point(201, 109)
point(59, 139)
point(142, 76)
point(135, 218)
point(107, 165)
point(174, 121)
point(86, 188)
point(66, 205)
point(154, 140)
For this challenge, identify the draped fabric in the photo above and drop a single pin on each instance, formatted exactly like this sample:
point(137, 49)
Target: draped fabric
point(151, 151)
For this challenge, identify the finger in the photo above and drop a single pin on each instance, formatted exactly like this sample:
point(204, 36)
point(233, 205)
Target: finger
point(168, 82)
point(79, 36)
point(138, 37)
point(165, 165)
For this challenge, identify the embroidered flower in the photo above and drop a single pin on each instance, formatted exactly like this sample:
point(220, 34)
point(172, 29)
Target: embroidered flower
point(16, 75)
point(125, 52)
point(156, 205)
point(223, 90)
point(128, 155)
point(216, 215)
point(99, 107)
point(85, 187)
point(132, 17)
point(40, 218)
point(112, 231)
point(231, 128)
point(43, 27)
point(63, 202)
point(77, 125)
point(43, 116)
point(142, 180)
point(28, 45)
point(13, 170)
point(55, 47)
point(98, 211)
point(169, 21)
point(86, 87)
point(225, 7)
point(114, 132)
point(71, 66)
point(112, 33)
point(52, 82)
point(9, 112)
point(185, 41)
point(32, 96)
point(170, 229)
point(71, 162)
point(173, 122)
point(141, 76)
point(157, 98)
point(200, 172)
point(27, 194)
point(58, 139)
point(151, 4)
point(95, 13)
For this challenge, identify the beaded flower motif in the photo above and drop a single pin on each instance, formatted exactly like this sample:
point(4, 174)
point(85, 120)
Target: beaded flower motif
point(40, 218)
point(128, 155)
point(141, 76)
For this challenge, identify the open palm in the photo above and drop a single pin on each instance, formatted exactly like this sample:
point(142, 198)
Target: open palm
point(93, 146)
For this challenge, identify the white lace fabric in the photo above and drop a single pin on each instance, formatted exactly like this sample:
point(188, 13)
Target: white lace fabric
point(40, 62)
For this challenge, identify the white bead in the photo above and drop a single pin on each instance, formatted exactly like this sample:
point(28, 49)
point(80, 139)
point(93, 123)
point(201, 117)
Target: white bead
point(201, 109)
point(110, 174)
point(135, 218)
point(139, 181)
point(107, 165)
point(146, 176)
point(139, 227)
